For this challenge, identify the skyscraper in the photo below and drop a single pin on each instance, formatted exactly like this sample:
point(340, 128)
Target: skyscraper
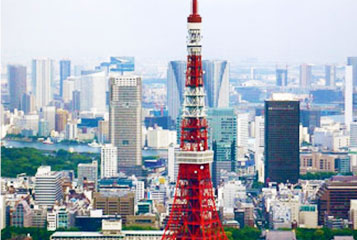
point(42, 81)
point(17, 85)
point(348, 95)
point(352, 61)
point(305, 75)
point(28, 103)
point(125, 121)
point(109, 161)
point(65, 72)
point(282, 119)
point(92, 92)
point(49, 114)
point(61, 120)
point(175, 87)
point(281, 77)
point(215, 78)
point(223, 136)
point(330, 75)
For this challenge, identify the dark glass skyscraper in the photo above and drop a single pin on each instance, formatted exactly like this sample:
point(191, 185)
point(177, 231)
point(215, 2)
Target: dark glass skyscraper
point(282, 141)
point(17, 85)
point(65, 72)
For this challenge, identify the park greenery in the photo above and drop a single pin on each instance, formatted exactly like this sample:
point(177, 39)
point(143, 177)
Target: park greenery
point(246, 233)
point(26, 160)
point(319, 175)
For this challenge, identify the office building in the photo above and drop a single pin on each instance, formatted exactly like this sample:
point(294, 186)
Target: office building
point(310, 119)
point(48, 113)
point(159, 138)
point(353, 135)
point(113, 204)
point(175, 87)
point(330, 75)
point(118, 64)
point(353, 214)
point(88, 172)
point(22, 215)
point(308, 216)
point(43, 129)
point(305, 75)
point(71, 130)
point(61, 119)
point(93, 92)
point(222, 124)
point(43, 81)
point(103, 131)
point(352, 61)
point(109, 161)
point(259, 147)
point(282, 121)
point(65, 72)
point(172, 165)
point(28, 103)
point(334, 197)
point(68, 86)
point(125, 121)
point(17, 85)
point(76, 101)
point(48, 189)
point(349, 95)
point(216, 81)
point(281, 77)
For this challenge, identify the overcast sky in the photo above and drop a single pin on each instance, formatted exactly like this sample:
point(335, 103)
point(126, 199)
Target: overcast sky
point(274, 30)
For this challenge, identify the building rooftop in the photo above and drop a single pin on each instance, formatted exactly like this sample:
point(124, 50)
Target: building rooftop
point(280, 235)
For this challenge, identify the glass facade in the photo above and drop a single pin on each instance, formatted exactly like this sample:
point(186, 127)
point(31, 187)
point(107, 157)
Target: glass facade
point(282, 119)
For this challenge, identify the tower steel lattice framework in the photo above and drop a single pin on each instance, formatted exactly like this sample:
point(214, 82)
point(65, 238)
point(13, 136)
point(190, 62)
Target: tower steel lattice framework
point(193, 214)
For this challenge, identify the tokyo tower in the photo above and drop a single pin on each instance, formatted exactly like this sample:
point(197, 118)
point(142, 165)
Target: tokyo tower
point(193, 215)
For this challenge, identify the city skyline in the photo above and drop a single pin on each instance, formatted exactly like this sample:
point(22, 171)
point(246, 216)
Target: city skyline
point(289, 32)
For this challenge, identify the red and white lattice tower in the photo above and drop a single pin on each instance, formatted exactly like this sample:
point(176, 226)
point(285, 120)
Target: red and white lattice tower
point(193, 215)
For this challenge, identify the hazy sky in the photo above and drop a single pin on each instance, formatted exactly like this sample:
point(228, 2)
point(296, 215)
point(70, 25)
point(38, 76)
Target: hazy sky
point(274, 30)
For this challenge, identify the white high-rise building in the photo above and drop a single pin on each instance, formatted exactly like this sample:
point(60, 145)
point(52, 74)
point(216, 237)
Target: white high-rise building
point(49, 114)
point(109, 161)
point(71, 130)
point(259, 132)
point(160, 138)
point(259, 147)
point(243, 130)
point(348, 95)
point(69, 85)
point(42, 81)
point(93, 94)
point(172, 164)
point(139, 190)
point(48, 189)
